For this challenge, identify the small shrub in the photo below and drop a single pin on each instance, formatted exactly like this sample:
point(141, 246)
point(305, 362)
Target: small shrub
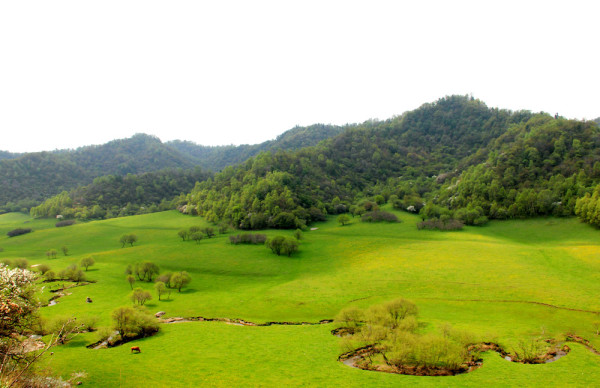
point(21, 263)
point(379, 216)
point(43, 268)
point(50, 276)
point(439, 224)
point(18, 232)
point(248, 238)
point(7, 262)
point(61, 224)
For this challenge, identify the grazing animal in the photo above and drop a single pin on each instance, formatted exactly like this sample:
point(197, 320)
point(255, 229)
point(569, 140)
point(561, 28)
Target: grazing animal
point(135, 348)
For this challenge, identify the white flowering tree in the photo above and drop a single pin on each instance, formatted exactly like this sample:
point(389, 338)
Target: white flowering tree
point(17, 317)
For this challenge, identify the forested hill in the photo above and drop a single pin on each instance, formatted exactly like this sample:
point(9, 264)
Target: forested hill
point(8, 155)
point(288, 189)
point(32, 177)
point(218, 157)
point(114, 195)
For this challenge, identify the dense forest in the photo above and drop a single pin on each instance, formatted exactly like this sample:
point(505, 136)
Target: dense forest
point(395, 157)
point(116, 196)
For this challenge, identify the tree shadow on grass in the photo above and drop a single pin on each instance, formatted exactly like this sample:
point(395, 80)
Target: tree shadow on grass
point(186, 291)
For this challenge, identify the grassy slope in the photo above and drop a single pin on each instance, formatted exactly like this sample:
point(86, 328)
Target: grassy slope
point(478, 279)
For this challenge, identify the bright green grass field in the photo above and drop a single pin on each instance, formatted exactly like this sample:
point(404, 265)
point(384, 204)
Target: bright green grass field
point(481, 279)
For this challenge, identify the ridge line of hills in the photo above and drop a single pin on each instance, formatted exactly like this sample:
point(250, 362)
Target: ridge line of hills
point(460, 157)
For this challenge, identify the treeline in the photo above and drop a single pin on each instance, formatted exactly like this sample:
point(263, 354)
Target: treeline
point(393, 157)
point(116, 196)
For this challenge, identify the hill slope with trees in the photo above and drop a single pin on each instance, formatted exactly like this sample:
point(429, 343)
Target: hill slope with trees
point(397, 157)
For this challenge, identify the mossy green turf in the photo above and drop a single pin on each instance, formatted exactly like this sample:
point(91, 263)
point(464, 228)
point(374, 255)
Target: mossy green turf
point(481, 279)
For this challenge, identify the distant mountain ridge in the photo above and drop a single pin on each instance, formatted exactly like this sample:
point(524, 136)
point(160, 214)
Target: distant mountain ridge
point(218, 157)
point(29, 178)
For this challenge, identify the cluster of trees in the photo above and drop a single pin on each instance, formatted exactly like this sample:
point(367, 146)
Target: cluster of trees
point(145, 271)
point(149, 272)
point(130, 239)
point(588, 207)
point(197, 233)
point(392, 328)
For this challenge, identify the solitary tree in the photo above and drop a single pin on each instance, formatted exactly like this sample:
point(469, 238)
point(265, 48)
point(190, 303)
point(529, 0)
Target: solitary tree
point(140, 296)
point(209, 232)
point(180, 280)
point(87, 262)
point(183, 234)
point(131, 281)
point(65, 250)
point(196, 237)
point(343, 219)
point(160, 288)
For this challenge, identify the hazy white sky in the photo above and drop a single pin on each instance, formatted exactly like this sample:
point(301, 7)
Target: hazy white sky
point(74, 73)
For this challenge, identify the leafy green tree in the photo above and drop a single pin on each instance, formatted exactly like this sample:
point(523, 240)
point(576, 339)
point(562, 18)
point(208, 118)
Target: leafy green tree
point(131, 280)
point(134, 322)
point(140, 296)
point(160, 288)
point(180, 280)
point(343, 219)
point(197, 237)
point(87, 262)
point(183, 233)
point(65, 250)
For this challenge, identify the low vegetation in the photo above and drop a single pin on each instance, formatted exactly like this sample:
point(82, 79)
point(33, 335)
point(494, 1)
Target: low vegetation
point(18, 232)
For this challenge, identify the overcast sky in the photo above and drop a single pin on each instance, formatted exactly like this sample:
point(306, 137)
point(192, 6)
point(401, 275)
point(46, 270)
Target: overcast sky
point(74, 73)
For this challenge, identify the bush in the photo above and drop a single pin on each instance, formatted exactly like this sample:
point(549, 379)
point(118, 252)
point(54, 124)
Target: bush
point(18, 232)
point(284, 220)
point(282, 244)
point(134, 323)
point(248, 238)
point(60, 224)
point(72, 273)
point(440, 224)
point(379, 216)
point(21, 263)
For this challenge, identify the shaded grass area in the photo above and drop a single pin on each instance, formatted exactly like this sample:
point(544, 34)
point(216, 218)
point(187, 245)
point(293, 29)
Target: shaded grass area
point(480, 279)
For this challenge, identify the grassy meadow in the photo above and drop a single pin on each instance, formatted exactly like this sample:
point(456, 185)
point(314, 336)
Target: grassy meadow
point(505, 282)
